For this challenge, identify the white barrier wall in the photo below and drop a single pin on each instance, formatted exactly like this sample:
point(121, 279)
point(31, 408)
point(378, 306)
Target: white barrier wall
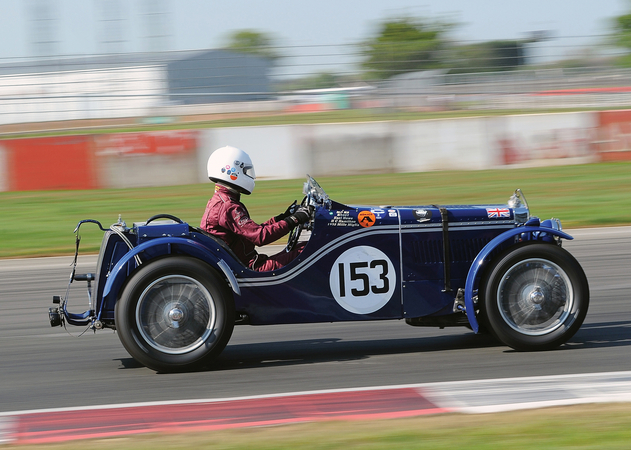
point(451, 144)
point(350, 149)
point(291, 151)
point(275, 150)
point(543, 139)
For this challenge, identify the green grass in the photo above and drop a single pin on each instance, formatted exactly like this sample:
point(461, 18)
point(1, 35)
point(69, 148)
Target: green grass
point(603, 426)
point(41, 223)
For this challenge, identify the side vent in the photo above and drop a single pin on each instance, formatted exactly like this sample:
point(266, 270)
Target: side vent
point(466, 250)
point(428, 252)
point(462, 250)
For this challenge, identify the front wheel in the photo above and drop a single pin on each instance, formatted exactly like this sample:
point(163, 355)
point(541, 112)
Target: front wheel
point(534, 297)
point(175, 314)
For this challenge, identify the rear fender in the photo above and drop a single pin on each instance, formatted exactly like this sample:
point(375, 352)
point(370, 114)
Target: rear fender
point(160, 247)
point(528, 233)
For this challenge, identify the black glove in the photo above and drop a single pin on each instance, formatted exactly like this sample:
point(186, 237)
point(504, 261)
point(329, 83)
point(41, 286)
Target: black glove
point(290, 210)
point(300, 216)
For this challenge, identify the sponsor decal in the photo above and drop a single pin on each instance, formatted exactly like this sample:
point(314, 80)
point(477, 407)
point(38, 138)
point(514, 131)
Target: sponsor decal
point(392, 213)
point(362, 279)
point(422, 215)
point(342, 219)
point(230, 171)
point(366, 219)
point(379, 213)
point(240, 216)
point(174, 142)
point(496, 213)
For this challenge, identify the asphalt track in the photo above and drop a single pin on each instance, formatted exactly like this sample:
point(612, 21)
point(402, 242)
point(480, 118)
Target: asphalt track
point(44, 368)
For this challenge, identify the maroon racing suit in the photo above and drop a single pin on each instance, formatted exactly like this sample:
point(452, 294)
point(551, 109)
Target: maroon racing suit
point(227, 218)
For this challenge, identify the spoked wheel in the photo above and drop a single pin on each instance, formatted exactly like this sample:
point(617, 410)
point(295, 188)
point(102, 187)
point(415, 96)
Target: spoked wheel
point(175, 314)
point(535, 297)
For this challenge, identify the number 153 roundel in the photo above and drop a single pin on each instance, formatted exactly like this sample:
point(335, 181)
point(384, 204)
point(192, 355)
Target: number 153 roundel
point(362, 279)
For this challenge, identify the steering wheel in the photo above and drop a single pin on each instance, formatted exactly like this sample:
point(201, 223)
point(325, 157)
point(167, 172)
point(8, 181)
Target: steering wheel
point(294, 234)
point(163, 216)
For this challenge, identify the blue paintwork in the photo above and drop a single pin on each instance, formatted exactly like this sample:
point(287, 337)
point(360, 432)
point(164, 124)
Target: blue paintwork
point(405, 252)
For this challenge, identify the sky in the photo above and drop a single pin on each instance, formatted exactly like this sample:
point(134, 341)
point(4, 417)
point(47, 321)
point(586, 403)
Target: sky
point(295, 24)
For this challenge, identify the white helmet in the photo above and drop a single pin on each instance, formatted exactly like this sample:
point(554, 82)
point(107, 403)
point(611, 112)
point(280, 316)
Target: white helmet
point(231, 166)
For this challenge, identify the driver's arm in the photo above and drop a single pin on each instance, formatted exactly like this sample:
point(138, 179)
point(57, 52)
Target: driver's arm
point(237, 219)
point(275, 219)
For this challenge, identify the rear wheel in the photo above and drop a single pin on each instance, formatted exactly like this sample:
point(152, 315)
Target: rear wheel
point(175, 314)
point(534, 297)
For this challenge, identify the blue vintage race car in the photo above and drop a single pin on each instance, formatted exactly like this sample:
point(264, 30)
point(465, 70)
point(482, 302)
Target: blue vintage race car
point(174, 292)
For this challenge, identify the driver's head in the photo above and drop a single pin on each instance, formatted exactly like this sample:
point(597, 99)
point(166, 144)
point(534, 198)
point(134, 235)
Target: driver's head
point(233, 168)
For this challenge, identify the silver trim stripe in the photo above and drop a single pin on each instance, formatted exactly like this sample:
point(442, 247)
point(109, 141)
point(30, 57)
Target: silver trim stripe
point(353, 235)
point(460, 225)
point(460, 228)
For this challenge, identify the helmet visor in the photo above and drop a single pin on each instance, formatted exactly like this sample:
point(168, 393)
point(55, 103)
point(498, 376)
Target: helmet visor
point(249, 171)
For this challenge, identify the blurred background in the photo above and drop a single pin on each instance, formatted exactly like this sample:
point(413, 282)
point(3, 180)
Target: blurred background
point(113, 94)
point(77, 67)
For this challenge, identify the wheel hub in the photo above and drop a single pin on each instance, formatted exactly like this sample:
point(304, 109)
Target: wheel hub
point(537, 297)
point(176, 315)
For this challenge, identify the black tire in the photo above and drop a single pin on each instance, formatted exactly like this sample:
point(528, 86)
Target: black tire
point(534, 297)
point(175, 314)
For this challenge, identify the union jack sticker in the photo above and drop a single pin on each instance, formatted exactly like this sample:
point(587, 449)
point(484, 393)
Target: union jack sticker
point(497, 213)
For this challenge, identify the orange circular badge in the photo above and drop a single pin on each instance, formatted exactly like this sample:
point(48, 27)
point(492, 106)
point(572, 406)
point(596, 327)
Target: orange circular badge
point(366, 219)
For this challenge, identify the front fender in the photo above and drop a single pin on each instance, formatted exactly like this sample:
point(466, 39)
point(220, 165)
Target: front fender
point(120, 272)
point(532, 233)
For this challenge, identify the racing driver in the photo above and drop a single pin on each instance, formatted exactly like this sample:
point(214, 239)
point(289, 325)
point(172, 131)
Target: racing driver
point(227, 218)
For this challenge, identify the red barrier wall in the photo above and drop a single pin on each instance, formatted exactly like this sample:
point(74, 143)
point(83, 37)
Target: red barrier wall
point(100, 161)
point(50, 163)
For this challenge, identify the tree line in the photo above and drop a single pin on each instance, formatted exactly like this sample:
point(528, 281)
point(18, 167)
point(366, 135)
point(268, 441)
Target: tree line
point(408, 44)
